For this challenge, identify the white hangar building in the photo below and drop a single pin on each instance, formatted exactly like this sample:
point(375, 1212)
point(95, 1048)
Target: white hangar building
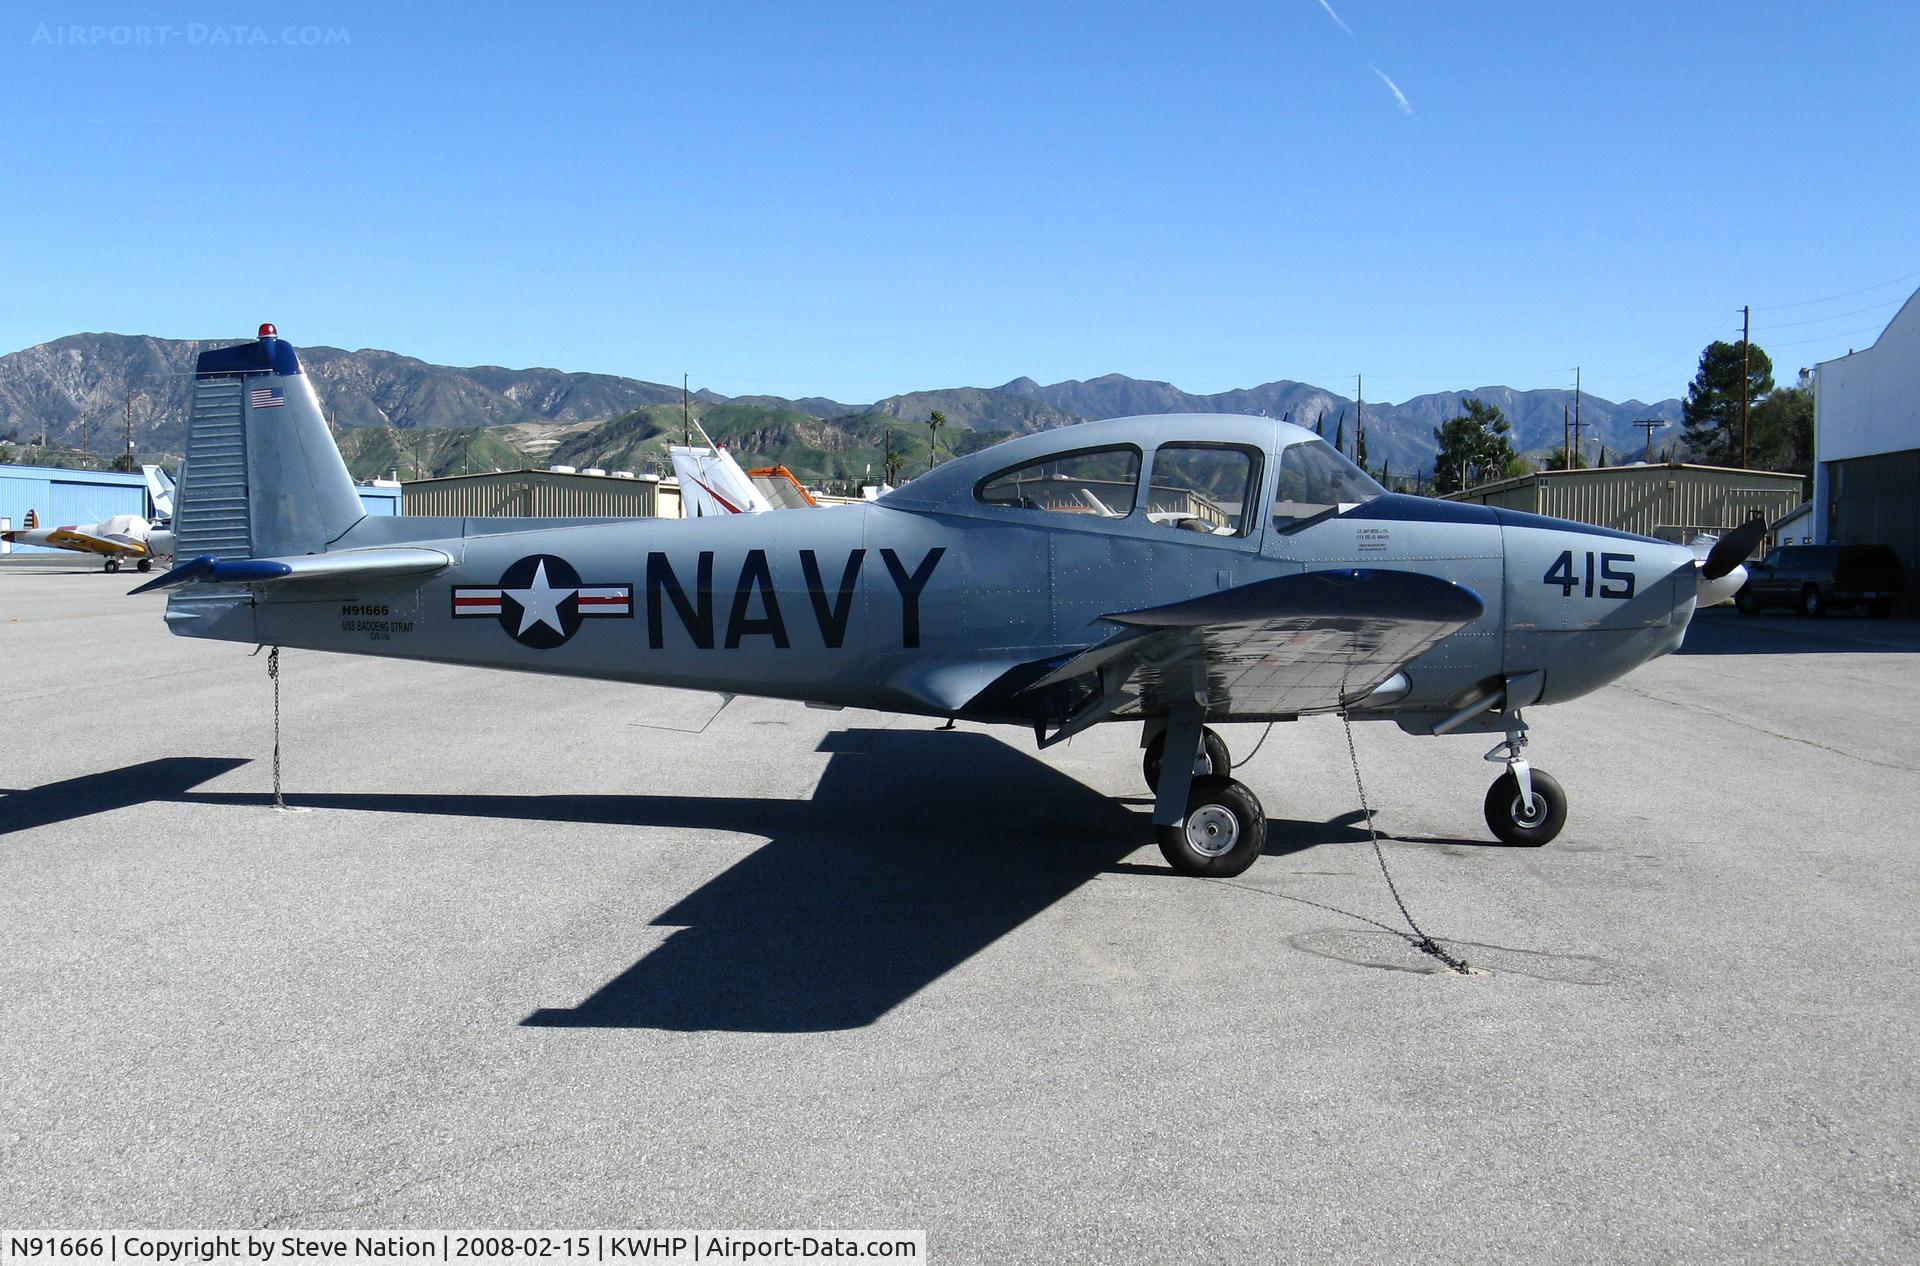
point(1866, 443)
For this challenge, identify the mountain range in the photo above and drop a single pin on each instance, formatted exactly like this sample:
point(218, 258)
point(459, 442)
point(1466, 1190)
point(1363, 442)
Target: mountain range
point(394, 412)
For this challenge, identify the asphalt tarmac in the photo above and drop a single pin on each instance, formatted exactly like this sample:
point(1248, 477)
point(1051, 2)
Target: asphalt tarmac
point(534, 952)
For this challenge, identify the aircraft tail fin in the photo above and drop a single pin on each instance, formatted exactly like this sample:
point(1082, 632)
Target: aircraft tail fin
point(159, 490)
point(712, 483)
point(262, 477)
point(31, 521)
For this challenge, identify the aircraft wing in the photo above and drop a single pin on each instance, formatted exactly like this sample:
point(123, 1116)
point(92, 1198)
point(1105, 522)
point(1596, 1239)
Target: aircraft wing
point(1294, 644)
point(93, 543)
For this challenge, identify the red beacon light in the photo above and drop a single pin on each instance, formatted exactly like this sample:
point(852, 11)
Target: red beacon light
point(267, 330)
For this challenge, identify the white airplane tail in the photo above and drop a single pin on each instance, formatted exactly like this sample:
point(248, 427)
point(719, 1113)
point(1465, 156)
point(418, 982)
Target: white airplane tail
point(263, 477)
point(159, 491)
point(712, 483)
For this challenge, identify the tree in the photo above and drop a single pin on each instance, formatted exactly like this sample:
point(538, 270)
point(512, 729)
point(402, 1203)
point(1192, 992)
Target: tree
point(934, 423)
point(1711, 414)
point(1340, 433)
point(1557, 459)
point(125, 463)
point(1474, 448)
point(1782, 428)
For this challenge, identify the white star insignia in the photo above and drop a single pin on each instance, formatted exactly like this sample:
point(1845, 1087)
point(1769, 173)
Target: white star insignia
point(540, 602)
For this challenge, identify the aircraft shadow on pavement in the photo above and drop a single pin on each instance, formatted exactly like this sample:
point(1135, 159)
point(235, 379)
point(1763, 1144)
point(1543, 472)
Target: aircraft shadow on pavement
point(1722, 631)
point(918, 850)
point(166, 778)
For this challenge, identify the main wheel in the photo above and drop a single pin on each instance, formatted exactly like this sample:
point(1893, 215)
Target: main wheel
point(1222, 834)
point(1745, 603)
point(1213, 759)
point(145, 564)
point(113, 564)
point(1811, 603)
point(1528, 825)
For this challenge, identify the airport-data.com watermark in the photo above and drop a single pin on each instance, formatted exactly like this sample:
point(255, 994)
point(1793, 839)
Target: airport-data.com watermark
point(187, 35)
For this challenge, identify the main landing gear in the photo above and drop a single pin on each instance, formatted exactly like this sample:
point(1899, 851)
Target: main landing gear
point(1206, 823)
point(1525, 806)
point(113, 564)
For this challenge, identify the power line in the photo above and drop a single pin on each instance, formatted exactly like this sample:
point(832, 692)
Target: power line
point(1881, 285)
point(1827, 338)
point(1833, 316)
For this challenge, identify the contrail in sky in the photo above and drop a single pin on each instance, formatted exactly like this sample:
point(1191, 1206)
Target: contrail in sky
point(1335, 17)
point(1392, 87)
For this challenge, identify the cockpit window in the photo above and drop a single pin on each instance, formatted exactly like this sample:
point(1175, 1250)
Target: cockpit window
point(1201, 488)
point(1315, 478)
point(1098, 481)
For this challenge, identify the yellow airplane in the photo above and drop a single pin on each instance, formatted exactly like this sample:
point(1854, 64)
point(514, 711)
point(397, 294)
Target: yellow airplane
point(124, 536)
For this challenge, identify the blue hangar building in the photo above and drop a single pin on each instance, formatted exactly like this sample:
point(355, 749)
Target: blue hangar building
point(64, 497)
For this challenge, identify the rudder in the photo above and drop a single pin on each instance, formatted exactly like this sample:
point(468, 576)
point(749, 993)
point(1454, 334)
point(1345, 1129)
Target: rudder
point(263, 477)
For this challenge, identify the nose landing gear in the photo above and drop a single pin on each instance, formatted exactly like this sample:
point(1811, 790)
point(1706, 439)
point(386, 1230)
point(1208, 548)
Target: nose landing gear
point(1525, 806)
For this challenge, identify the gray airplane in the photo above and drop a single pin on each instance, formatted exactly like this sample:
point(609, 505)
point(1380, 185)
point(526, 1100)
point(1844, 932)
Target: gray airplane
point(1172, 570)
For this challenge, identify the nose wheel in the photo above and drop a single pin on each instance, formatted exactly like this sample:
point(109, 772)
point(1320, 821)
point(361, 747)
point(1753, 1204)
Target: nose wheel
point(1525, 806)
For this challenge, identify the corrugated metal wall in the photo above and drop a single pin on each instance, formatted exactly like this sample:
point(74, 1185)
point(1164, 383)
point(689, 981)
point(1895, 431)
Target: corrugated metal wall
point(539, 494)
point(1675, 503)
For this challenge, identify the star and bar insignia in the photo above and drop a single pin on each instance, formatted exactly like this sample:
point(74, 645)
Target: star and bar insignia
point(541, 602)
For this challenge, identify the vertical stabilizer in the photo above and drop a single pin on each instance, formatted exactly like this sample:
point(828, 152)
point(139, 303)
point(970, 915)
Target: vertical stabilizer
point(263, 478)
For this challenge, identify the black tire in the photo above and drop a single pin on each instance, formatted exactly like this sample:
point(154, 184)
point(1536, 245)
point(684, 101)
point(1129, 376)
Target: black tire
point(1880, 608)
point(1213, 751)
point(113, 564)
point(1222, 834)
point(1811, 603)
point(1528, 830)
point(145, 564)
point(1745, 603)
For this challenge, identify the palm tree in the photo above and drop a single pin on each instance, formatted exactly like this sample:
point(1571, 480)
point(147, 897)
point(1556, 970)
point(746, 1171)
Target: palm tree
point(934, 423)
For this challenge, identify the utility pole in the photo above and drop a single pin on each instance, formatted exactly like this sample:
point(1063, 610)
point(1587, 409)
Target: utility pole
point(129, 422)
point(1650, 425)
point(686, 413)
point(1576, 407)
point(86, 435)
point(1746, 355)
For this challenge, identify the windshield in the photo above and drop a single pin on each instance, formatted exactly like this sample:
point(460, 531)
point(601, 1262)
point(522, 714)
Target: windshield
point(1315, 478)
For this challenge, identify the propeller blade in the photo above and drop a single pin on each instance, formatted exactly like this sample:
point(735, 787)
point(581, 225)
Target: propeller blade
point(1732, 549)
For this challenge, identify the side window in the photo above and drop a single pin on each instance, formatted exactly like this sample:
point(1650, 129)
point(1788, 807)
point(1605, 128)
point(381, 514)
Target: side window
point(1314, 478)
point(1098, 481)
point(1201, 488)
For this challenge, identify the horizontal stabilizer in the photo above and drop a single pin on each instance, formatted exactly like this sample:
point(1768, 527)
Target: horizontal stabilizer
point(353, 564)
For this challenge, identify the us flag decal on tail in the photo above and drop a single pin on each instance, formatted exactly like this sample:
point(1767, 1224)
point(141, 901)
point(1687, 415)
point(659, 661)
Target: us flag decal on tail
point(541, 602)
point(267, 398)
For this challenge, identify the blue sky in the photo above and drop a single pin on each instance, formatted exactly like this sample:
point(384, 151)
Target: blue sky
point(856, 199)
